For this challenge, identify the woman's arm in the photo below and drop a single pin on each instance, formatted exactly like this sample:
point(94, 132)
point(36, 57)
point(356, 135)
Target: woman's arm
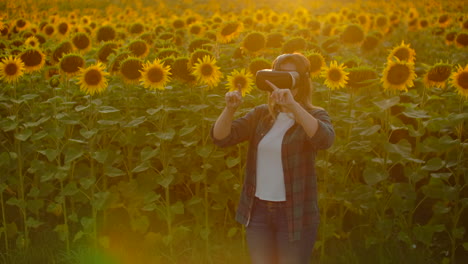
point(222, 126)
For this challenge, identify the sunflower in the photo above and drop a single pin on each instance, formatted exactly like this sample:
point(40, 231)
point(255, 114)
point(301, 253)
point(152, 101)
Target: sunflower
point(32, 42)
point(139, 48)
point(71, 63)
point(11, 69)
point(106, 33)
point(460, 80)
point(198, 54)
point(21, 24)
point(155, 75)
point(92, 79)
point(361, 76)
point(33, 59)
point(296, 44)
point(259, 64)
point(181, 69)
point(437, 75)
point(206, 71)
point(316, 63)
point(81, 41)
point(335, 75)
point(62, 49)
point(352, 34)
point(403, 53)
point(461, 40)
point(229, 31)
point(51, 71)
point(105, 50)
point(398, 75)
point(253, 42)
point(130, 68)
point(370, 42)
point(63, 28)
point(49, 30)
point(242, 79)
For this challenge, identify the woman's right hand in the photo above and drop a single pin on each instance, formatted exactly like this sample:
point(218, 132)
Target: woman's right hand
point(233, 99)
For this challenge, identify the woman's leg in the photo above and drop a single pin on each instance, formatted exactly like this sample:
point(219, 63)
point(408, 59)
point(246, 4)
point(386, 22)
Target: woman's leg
point(261, 236)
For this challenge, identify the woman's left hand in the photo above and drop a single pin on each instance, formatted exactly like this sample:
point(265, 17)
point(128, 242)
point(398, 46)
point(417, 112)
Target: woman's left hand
point(283, 97)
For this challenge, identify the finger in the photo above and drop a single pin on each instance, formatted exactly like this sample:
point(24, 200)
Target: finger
point(272, 85)
point(239, 88)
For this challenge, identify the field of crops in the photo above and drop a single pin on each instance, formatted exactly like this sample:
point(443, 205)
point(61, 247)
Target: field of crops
point(106, 109)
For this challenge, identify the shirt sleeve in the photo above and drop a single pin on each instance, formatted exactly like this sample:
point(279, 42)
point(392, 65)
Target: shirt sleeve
point(241, 129)
point(325, 135)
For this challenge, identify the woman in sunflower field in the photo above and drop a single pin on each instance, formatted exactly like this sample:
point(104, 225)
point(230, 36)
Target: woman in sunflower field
point(278, 203)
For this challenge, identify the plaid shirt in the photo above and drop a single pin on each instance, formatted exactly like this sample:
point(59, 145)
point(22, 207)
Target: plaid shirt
point(298, 156)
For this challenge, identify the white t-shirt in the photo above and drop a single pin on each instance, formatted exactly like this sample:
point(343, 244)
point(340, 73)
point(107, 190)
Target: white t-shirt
point(270, 176)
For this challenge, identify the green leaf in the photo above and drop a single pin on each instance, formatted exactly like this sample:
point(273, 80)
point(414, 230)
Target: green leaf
point(142, 166)
point(37, 123)
point(425, 233)
point(441, 208)
point(232, 161)
point(204, 151)
point(87, 182)
point(370, 131)
point(373, 175)
point(177, 208)
point(39, 135)
point(107, 109)
point(72, 153)
point(413, 113)
point(113, 172)
point(197, 176)
point(187, 130)
point(31, 222)
point(100, 199)
point(80, 108)
point(24, 134)
point(70, 189)
point(107, 122)
point(433, 164)
point(100, 156)
point(140, 224)
point(148, 153)
point(403, 148)
point(8, 125)
point(167, 135)
point(88, 133)
point(51, 154)
point(387, 103)
point(135, 122)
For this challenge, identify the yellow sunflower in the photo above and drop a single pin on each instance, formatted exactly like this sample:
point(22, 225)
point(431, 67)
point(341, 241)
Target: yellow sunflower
point(206, 71)
point(335, 75)
point(130, 68)
point(403, 53)
point(228, 31)
point(71, 63)
point(242, 78)
point(155, 75)
point(460, 80)
point(437, 75)
point(33, 59)
point(92, 79)
point(398, 75)
point(32, 42)
point(316, 63)
point(81, 41)
point(11, 69)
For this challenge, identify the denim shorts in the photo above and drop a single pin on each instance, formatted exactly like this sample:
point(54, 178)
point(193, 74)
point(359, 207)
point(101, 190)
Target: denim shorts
point(268, 239)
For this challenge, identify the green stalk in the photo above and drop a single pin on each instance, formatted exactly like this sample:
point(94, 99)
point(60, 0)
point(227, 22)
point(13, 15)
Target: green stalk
point(4, 221)
point(65, 220)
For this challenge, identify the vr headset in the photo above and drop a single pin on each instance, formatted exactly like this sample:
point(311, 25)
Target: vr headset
point(282, 79)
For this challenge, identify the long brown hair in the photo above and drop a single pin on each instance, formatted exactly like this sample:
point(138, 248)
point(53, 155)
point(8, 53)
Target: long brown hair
point(305, 89)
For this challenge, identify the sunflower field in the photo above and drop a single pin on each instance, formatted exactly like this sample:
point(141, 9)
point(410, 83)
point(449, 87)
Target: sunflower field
point(106, 109)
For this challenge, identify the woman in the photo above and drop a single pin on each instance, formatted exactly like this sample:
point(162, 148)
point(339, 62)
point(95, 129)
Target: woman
point(278, 203)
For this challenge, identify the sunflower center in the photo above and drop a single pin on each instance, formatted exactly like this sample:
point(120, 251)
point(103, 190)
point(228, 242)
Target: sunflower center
point(315, 63)
point(439, 74)
point(155, 75)
point(334, 75)
point(462, 39)
point(138, 48)
point(463, 80)
point(31, 59)
point(240, 81)
point(443, 18)
point(402, 54)
point(49, 30)
point(63, 28)
point(71, 64)
point(229, 29)
point(398, 74)
point(206, 70)
point(11, 69)
point(130, 69)
point(81, 41)
point(93, 77)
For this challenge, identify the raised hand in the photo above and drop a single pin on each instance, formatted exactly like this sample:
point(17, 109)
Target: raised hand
point(234, 98)
point(283, 97)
